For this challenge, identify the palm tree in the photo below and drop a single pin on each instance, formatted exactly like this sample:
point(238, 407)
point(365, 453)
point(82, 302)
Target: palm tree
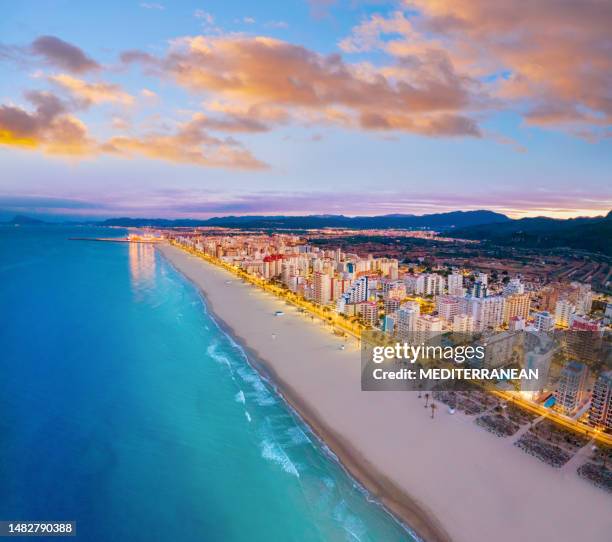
point(433, 409)
point(426, 399)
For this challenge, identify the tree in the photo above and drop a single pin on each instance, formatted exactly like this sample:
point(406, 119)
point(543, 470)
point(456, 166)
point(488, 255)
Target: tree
point(426, 399)
point(433, 409)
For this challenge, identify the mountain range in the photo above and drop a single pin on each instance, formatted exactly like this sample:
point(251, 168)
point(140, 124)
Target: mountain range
point(438, 220)
point(593, 234)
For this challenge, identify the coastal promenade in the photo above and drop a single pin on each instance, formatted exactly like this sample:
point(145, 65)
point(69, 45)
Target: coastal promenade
point(444, 477)
point(337, 322)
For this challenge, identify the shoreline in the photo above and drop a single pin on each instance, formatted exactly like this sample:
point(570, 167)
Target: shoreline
point(471, 485)
point(401, 507)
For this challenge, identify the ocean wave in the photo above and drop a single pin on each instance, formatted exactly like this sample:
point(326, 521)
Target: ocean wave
point(239, 397)
point(248, 416)
point(273, 452)
point(349, 522)
point(297, 436)
point(260, 394)
point(217, 356)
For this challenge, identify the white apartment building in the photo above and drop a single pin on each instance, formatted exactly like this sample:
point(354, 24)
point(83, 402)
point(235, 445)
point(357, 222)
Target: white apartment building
point(564, 310)
point(455, 284)
point(487, 312)
point(463, 323)
point(543, 321)
point(430, 284)
point(405, 321)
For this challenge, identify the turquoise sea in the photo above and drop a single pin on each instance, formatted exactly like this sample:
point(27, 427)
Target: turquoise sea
point(125, 408)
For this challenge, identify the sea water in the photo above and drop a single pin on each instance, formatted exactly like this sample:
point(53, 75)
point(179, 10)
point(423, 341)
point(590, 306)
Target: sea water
point(125, 408)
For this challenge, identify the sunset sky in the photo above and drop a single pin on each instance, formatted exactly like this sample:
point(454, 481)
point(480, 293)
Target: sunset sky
point(196, 109)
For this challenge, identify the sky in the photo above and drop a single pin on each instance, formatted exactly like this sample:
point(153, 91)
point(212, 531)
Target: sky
point(198, 109)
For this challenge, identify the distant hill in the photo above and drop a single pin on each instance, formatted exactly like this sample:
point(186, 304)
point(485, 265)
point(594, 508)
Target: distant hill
point(440, 220)
point(591, 234)
point(24, 220)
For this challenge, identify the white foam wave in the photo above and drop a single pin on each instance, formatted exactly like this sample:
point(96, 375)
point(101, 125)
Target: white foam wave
point(261, 395)
point(297, 435)
point(273, 452)
point(239, 397)
point(218, 357)
point(349, 522)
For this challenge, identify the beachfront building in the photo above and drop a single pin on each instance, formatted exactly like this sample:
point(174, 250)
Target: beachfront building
point(358, 291)
point(322, 286)
point(571, 390)
point(600, 412)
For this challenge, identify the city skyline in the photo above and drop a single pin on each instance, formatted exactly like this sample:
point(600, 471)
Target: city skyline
point(213, 109)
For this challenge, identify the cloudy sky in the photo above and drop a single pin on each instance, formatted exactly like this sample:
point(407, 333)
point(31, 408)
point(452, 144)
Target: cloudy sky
point(212, 108)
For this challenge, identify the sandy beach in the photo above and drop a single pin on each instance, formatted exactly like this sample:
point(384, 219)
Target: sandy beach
point(445, 478)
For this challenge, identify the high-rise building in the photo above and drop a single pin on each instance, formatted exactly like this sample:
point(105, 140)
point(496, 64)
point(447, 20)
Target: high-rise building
point(479, 289)
point(321, 288)
point(517, 305)
point(427, 327)
point(499, 349)
point(582, 297)
point(447, 307)
point(584, 339)
point(391, 306)
point(487, 312)
point(463, 323)
point(572, 387)
point(358, 291)
point(430, 284)
point(544, 321)
point(369, 313)
point(600, 412)
point(563, 312)
point(455, 284)
point(405, 322)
